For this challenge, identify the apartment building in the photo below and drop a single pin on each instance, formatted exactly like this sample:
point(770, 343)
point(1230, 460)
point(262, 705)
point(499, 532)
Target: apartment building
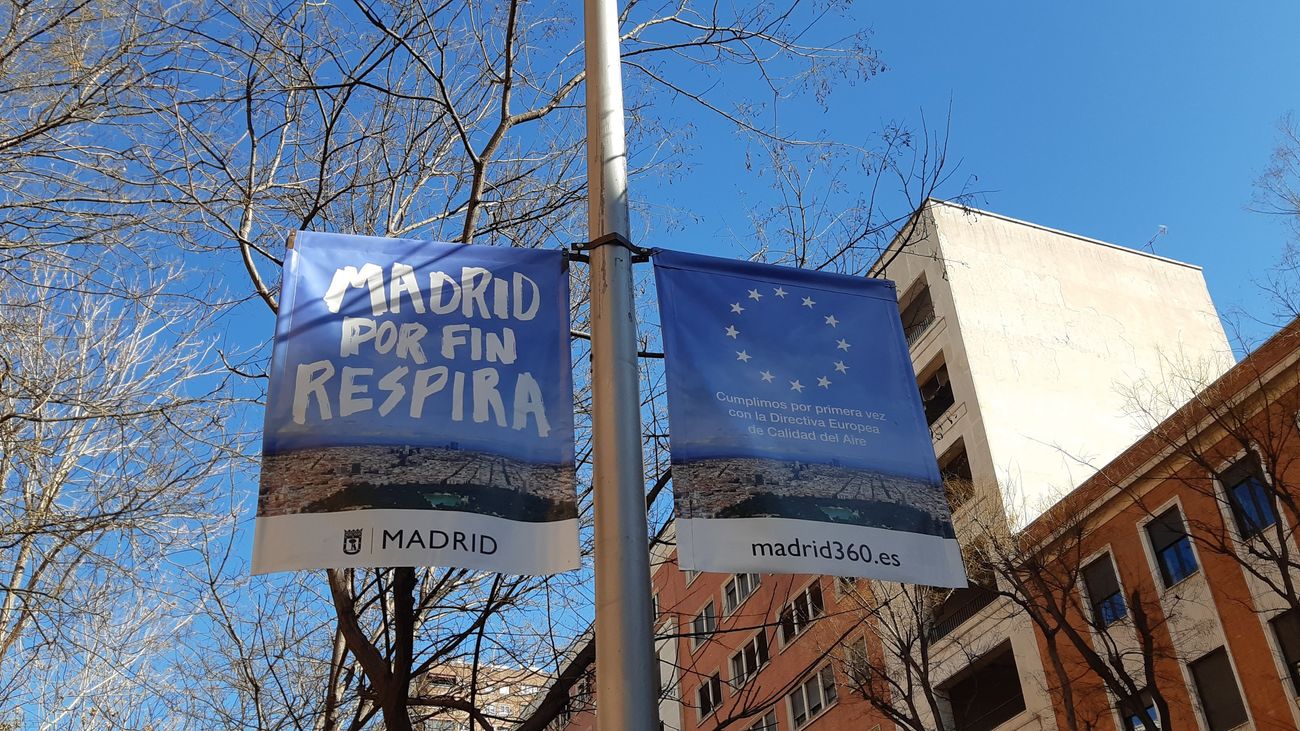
point(1029, 343)
point(1044, 359)
point(1186, 561)
point(503, 692)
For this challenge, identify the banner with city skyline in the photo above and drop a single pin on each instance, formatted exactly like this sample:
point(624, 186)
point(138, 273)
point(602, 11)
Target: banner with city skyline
point(799, 443)
point(419, 409)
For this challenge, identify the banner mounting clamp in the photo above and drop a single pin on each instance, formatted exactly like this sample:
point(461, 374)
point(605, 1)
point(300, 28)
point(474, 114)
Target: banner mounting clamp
point(639, 254)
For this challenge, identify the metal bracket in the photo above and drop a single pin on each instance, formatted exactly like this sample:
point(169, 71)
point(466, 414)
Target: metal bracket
point(639, 255)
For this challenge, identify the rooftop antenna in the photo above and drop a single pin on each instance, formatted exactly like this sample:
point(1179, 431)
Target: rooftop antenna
point(1150, 245)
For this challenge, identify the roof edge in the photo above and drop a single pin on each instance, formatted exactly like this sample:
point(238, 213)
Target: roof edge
point(1009, 219)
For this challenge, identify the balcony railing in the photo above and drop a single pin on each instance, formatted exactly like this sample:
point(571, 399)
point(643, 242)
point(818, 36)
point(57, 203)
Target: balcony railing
point(915, 330)
point(960, 607)
point(995, 716)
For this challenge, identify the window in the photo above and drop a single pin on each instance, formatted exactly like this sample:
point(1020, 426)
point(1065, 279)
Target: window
point(936, 395)
point(1286, 627)
point(986, 693)
point(584, 692)
point(747, 662)
point(845, 585)
point(801, 611)
point(703, 625)
point(1103, 592)
point(813, 696)
point(857, 663)
point(737, 590)
point(665, 678)
point(917, 314)
point(709, 695)
point(691, 576)
point(1217, 688)
point(1172, 546)
point(654, 606)
point(766, 723)
point(954, 468)
point(1132, 710)
point(1249, 497)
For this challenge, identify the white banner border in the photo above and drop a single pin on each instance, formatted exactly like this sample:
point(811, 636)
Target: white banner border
point(833, 549)
point(414, 538)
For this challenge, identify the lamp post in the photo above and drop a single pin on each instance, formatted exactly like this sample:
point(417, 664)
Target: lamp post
point(625, 659)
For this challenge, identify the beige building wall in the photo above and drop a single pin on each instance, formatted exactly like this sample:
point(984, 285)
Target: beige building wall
point(1047, 337)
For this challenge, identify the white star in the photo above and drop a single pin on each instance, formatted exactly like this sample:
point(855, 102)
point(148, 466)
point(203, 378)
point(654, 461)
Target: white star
point(830, 320)
point(754, 295)
point(736, 308)
point(839, 366)
point(780, 292)
point(742, 355)
point(808, 302)
point(796, 386)
point(823, 381)
point(767, 376)
point(732, 332)
point(842, 344)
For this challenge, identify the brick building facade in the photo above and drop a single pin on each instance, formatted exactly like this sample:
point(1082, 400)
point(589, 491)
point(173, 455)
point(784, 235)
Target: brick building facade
point(1152, 576)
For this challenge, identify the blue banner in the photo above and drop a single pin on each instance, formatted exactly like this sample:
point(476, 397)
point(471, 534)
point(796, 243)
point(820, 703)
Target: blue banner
point(420, 409)
point(799, 443)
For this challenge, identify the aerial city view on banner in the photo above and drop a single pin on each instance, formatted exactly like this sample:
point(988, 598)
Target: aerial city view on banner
point(420, 413)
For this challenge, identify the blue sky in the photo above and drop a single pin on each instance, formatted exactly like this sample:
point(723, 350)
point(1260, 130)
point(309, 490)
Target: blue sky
point(1108, 119)
point(1105, 119)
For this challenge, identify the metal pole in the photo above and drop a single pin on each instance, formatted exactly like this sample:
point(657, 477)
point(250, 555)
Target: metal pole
point(625, 660)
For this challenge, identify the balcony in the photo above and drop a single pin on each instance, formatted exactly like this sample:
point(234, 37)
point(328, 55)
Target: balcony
point(917, 315)
point(958, 608)
point(954, 468)
point(987, 693)
point(995, 716)
point(936, 395)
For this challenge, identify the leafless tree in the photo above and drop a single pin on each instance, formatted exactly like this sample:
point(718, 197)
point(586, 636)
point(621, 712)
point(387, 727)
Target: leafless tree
point(138, 125)
point(77, 77)
point(1235, 447)
point(1040, 570)
point(114, 409)
point(258, 651)
point(899, 671)
point(1277, 192)
point(919, 637)
point(112, 434)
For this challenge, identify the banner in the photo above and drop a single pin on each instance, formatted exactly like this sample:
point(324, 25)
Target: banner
point(420, 410)
point(799, 444)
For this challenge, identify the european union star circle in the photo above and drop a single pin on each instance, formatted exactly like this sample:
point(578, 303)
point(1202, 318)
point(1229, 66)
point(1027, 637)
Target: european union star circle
point(776, 318)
